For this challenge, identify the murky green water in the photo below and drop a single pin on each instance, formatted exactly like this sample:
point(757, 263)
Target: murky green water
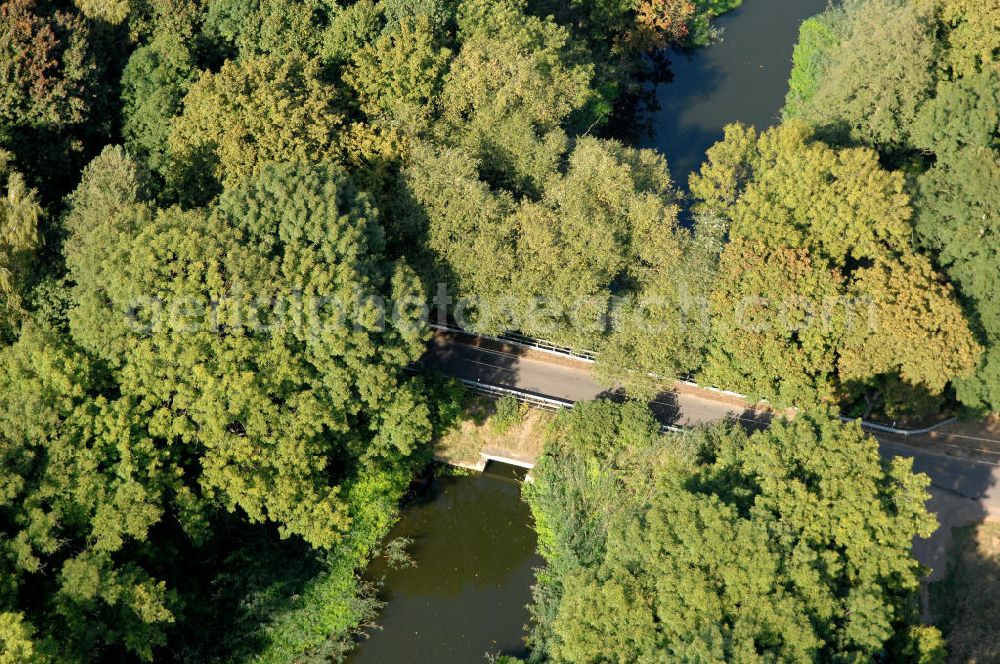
point(475, 554)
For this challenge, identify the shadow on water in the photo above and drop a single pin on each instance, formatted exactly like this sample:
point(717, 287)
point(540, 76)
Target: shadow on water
point(474, 550)
point(742, 78)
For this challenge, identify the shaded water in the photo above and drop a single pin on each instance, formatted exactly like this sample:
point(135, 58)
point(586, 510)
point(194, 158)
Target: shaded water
point(742, 78)
point(475, 554)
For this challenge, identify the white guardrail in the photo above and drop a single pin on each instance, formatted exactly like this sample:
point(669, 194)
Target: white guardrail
point(524, 342)
point(535, 400)
point(590, 357)
point(898, 432)
point(530, 398)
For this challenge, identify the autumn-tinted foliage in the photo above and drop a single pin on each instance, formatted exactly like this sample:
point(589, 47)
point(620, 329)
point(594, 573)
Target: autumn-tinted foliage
point(205, 422)
point(820, 288)
point(43, 66)
point(918, 81)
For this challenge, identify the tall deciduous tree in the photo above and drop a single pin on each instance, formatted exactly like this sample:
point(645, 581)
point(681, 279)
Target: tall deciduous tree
point(252, 28)
point(82, 487)
point(252, 111)
point(928, 104)
point(252, 339)
point(50, 99)
point(20, 214)
point(611, 206)
point(820, 284)
point(44, 65)
point(468, 229)
point(973, 35)
point(958, 206)
point(776, 323)
point(510, 91)
point(398, 78)
point(106, 211)
point(154, 82)
point(879, 73)
point(601, 241)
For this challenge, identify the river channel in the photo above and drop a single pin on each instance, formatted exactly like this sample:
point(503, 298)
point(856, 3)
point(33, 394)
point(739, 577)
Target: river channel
point(467, 596)
point(741, 78)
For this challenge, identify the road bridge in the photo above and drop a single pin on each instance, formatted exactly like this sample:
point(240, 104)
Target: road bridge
point(962, 491)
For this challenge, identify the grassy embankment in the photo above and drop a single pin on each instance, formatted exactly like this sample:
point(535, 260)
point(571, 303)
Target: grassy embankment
point(482, 428)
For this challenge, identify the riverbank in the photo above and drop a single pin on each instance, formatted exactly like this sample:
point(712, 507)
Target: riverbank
point(479, 433)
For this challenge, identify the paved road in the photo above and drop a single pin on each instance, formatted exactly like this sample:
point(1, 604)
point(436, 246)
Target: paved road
point(963, 490)
point(493, 365)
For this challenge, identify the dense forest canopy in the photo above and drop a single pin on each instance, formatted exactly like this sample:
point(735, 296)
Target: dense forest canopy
point(219, 222)
point(792, 544)
point(207, 210)
point(920, 83)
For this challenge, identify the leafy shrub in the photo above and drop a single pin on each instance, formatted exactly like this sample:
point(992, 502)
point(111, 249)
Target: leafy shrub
point(508, 414)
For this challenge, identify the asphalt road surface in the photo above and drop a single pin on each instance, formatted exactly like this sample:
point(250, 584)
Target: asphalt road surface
point(493, 365)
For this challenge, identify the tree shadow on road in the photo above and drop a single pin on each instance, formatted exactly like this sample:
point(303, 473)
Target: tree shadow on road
point(965, 603)
point(459, 359)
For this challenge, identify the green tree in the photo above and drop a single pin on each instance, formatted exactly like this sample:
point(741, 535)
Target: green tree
point(439, 14)
point(598, 260)
point(16, 646)
point(154, 82)
point(351, 28)
point(918, 81)
point(792, 544)
point(82, 488)
point(957, 199)
point(820, 285)
point(583, 235)
point(816, 46)
point(601, 241)
point(112, 11)
point(597, 457)
point(108, 208)
point(252, 28)
point(982, 389)
point(878, 74)
point(512, 88)
point(467, 229)
point(776, 324)
point(973, 40)
point(20, 214)
point(398, 78)
point(252, 111)
point(252, 335)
